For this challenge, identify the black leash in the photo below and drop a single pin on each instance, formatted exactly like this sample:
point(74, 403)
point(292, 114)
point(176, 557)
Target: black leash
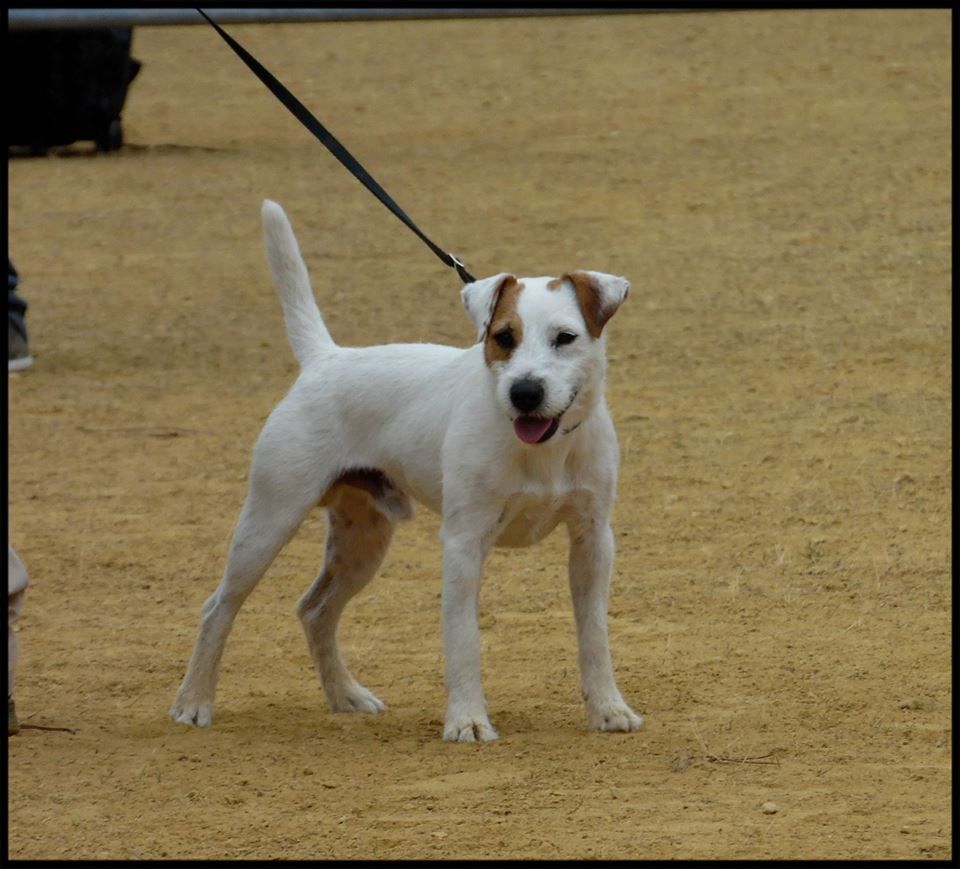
point(302, 114)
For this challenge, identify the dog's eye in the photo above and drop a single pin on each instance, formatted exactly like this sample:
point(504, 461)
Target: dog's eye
point(565, 338)
point(505, 340)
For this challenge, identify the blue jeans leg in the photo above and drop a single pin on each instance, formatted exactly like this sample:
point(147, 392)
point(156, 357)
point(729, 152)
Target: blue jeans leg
point(16, 307)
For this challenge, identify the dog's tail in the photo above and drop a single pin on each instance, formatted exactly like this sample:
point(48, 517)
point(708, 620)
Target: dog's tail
point(305, 327)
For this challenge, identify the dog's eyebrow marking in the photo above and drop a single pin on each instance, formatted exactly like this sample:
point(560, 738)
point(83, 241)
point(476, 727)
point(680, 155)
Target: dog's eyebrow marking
point(504, 319)
point(588, 297)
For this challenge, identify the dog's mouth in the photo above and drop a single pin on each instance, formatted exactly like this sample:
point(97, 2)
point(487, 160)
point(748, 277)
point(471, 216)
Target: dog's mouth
point(535, 429)
point(539, 429)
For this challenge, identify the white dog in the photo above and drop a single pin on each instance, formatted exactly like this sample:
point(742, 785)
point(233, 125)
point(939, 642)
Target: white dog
point(505, 439)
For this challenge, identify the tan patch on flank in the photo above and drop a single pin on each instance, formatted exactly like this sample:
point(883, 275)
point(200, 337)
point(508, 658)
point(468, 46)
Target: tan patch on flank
point(588, 296)
point(505, 319)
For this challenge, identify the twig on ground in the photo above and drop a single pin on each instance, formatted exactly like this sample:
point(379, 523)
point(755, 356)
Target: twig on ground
point(760, 759)
point(45, 727)
point(152, 431)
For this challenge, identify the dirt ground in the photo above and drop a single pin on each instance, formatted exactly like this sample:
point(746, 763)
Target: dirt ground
point(776, 185)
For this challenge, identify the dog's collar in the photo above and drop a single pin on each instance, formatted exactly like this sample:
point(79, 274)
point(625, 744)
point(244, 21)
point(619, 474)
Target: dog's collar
point(576, 425)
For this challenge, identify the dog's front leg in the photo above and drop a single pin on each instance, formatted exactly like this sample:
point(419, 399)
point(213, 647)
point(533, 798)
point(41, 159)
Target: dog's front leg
point(591, 566)
point(463, 557)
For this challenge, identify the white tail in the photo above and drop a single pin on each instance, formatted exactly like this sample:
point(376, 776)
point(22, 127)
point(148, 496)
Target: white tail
point(305, 327)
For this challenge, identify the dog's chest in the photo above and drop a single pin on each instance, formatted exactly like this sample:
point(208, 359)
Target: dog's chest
point(530, 515)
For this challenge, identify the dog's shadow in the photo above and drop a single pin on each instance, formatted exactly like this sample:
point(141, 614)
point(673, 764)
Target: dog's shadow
point(282, 722)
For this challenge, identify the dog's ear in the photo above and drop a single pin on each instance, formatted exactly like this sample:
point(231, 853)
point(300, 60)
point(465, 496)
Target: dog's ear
point(599, 295)
point(480, 299)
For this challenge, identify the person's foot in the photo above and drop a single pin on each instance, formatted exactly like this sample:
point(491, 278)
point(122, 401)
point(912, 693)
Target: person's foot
point(13, 726)
point(18, 350)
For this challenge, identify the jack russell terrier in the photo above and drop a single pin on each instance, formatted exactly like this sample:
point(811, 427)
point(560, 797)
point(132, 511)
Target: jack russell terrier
point(504, 439)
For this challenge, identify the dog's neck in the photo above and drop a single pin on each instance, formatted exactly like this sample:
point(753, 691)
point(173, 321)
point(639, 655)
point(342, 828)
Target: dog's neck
point(586, 402)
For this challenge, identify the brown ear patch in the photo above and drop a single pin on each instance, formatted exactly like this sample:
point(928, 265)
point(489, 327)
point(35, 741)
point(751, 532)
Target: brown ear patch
point(588, 296)
point(505, 331)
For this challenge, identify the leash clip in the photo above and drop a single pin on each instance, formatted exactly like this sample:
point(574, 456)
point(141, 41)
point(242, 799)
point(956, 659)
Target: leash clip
point(465, 276)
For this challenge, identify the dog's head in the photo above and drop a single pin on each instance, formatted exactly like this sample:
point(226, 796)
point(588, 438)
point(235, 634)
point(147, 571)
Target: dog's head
point(543, 343)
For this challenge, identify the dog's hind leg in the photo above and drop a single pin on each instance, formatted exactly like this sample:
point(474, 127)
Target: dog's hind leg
point(362, 510)
point(271, 515)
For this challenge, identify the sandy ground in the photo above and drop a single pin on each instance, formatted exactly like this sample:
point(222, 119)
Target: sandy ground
point(776, 187)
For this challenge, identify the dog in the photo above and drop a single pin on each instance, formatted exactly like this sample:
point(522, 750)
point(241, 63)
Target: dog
point(505, 440)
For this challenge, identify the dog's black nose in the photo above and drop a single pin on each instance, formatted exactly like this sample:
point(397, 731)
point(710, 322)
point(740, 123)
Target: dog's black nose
point(526, 394)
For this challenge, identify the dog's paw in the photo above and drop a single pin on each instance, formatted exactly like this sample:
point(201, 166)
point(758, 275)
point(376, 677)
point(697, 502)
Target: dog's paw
point(467, 728)
point(187, 712)
point(613, 716)
point(354, 698)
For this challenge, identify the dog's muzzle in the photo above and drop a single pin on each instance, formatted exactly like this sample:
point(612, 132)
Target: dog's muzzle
point(527, 395)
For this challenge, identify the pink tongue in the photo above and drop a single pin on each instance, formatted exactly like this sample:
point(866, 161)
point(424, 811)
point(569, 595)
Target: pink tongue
point(530, 428)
